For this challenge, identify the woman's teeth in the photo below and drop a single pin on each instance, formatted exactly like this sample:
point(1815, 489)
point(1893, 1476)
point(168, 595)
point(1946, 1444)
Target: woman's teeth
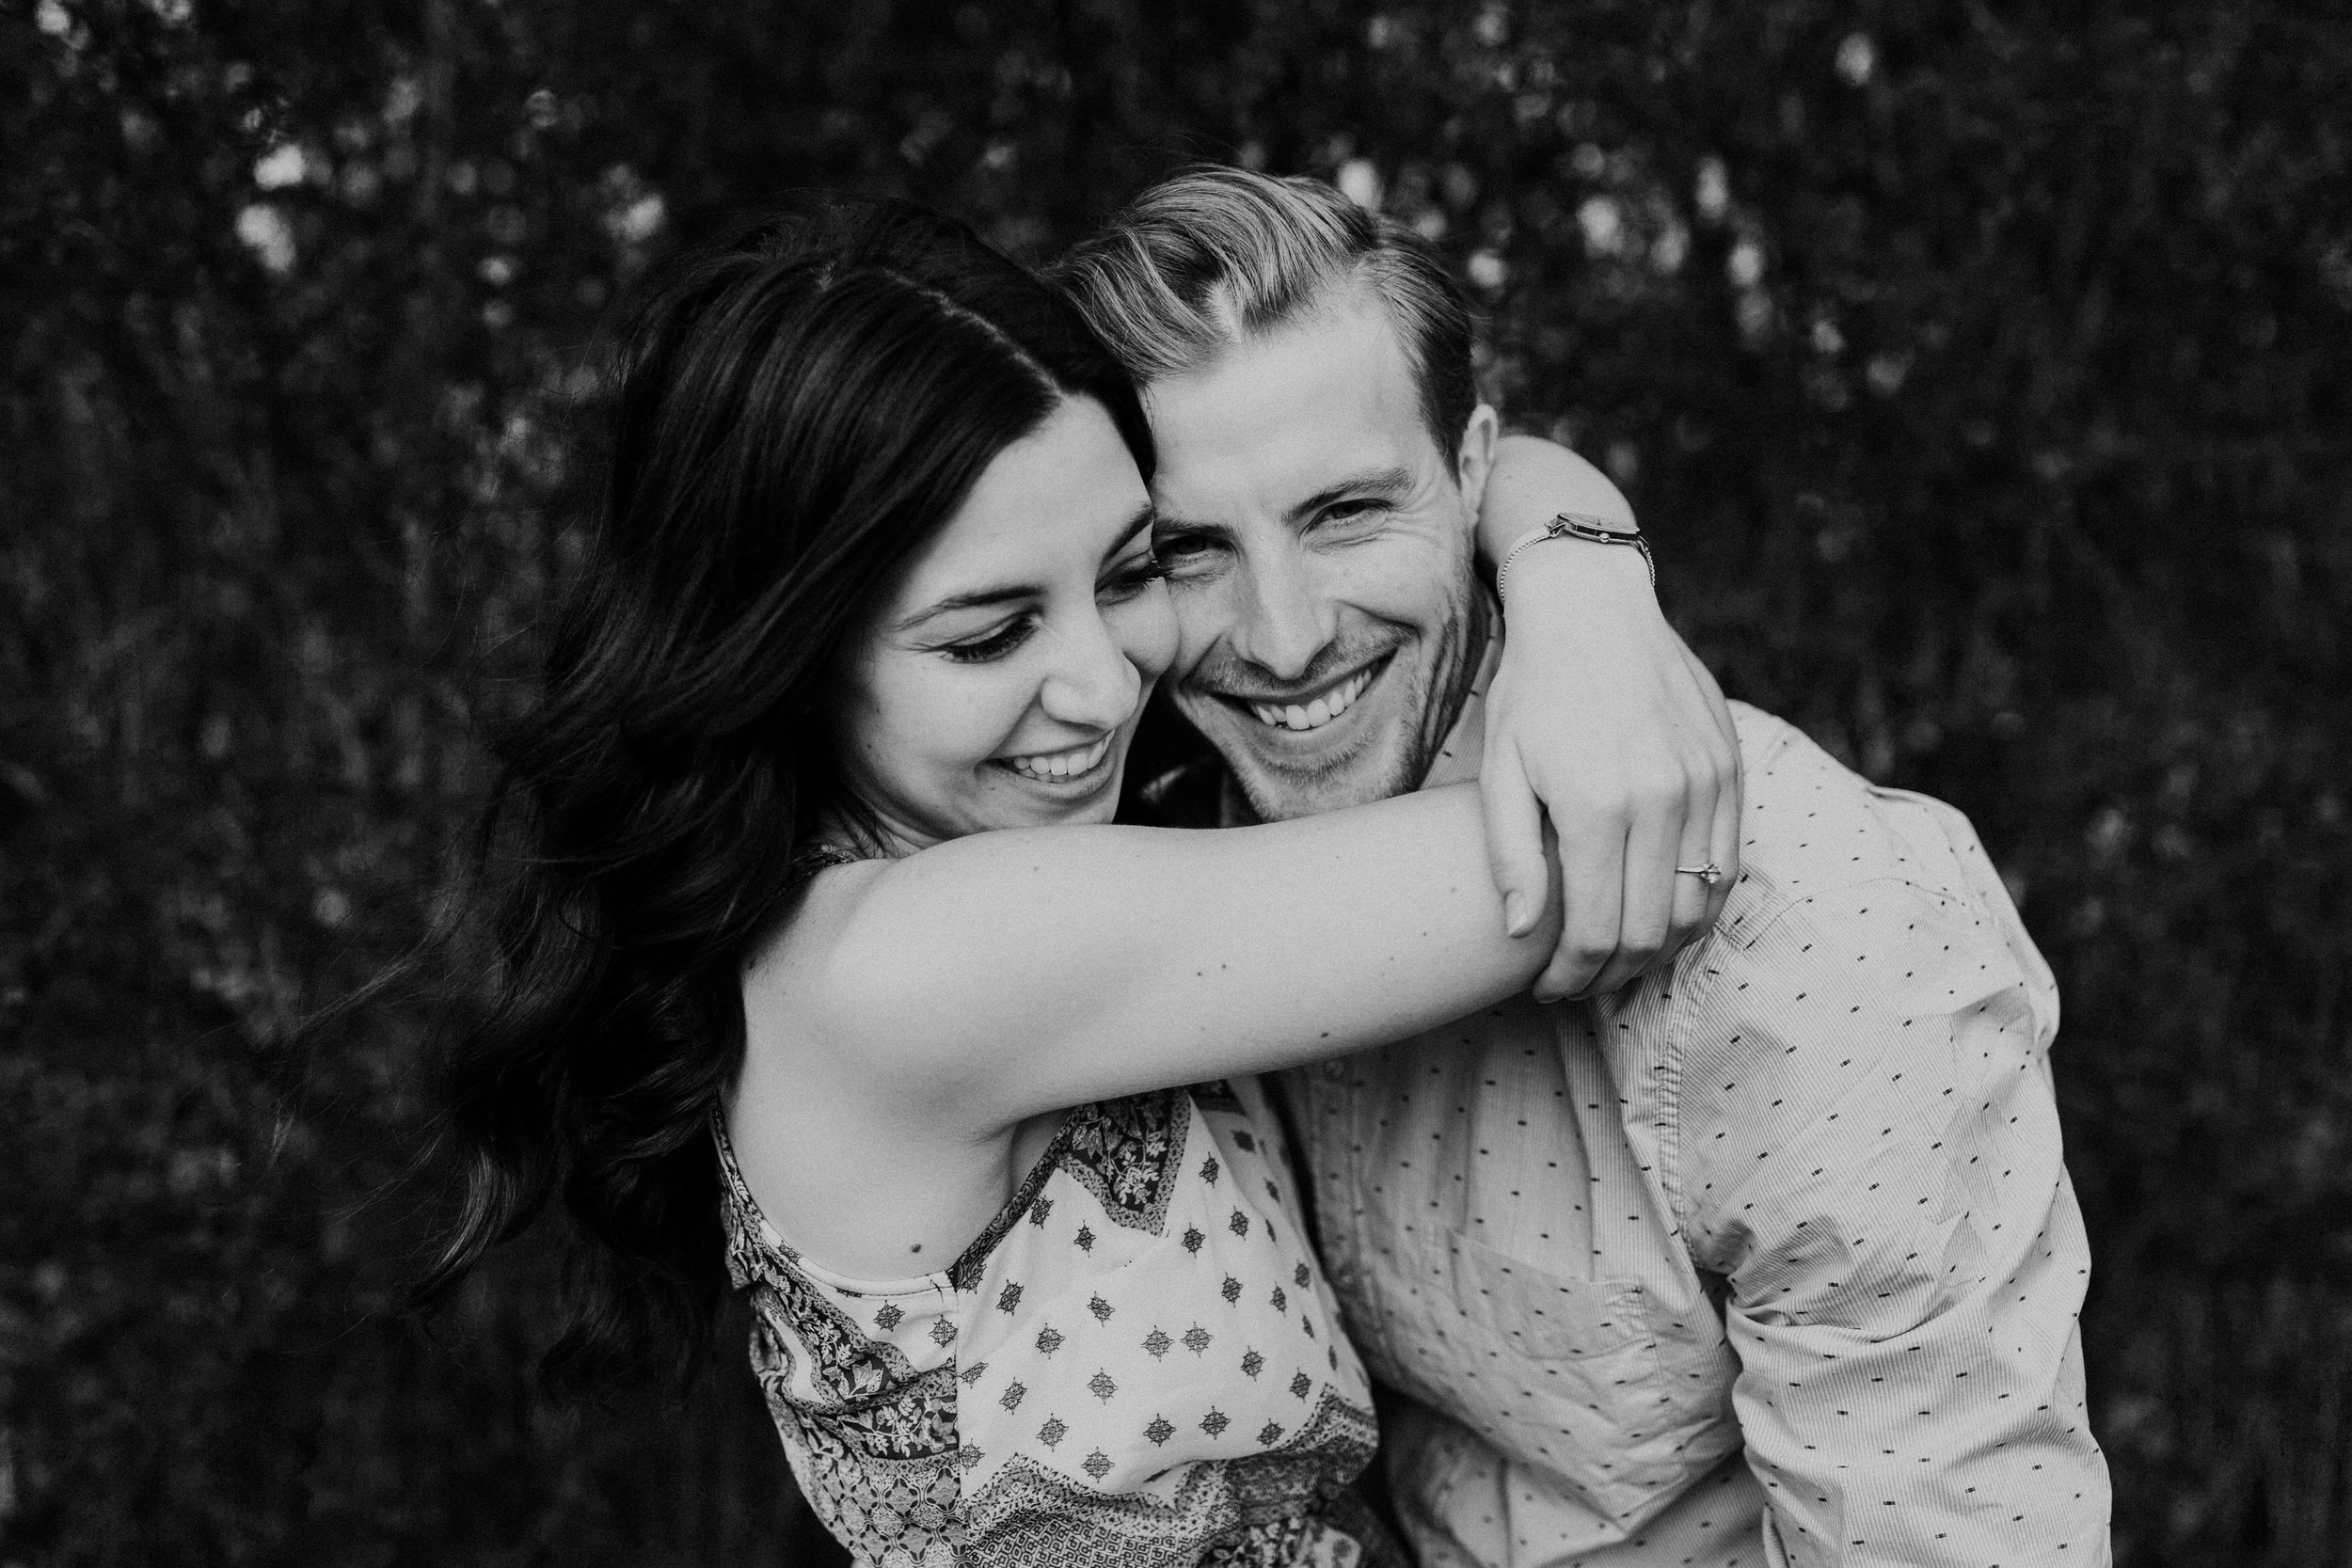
point(1314, 715)
point(1060, 765)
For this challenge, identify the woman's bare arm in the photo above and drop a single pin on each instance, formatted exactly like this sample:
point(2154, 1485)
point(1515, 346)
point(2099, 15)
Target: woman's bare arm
point(1599, 717)
point(1003, 974)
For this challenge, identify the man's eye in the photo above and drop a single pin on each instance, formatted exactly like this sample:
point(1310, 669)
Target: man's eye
point(1173, 548)
point(996, 645)
point(1351, 511)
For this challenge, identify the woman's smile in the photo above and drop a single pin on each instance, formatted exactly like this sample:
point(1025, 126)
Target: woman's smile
point(1064, 770)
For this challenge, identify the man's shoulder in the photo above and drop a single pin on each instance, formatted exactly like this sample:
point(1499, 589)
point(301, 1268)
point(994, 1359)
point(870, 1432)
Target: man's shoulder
point(1856, 905)
point(1868, 933)
point(1812, 830)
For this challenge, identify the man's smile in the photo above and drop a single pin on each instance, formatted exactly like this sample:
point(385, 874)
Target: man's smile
point(1309, 708)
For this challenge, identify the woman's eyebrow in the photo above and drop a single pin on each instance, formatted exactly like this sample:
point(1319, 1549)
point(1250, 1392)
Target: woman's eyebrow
point(1145, 517)
point(985, 599)
point(979, 599)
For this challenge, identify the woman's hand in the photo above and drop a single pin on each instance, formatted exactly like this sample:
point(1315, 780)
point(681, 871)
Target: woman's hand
point(1600, 716)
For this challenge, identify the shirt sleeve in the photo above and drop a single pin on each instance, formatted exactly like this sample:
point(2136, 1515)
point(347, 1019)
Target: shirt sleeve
point(1870, 1160)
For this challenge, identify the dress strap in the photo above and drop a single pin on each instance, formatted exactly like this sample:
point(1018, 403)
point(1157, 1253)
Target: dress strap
point(738, 1190)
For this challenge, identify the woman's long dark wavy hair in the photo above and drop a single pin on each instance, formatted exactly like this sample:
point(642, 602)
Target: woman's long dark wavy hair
point(794, 414)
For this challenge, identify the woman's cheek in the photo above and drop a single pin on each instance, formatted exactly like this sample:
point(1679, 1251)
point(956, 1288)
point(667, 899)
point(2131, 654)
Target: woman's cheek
point(1146, 629)
point(927, 719)
point(976, 710)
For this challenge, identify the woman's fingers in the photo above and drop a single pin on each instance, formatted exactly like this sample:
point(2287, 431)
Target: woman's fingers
point(1694, 903)
point(1592, 882)
point(1652, 838)
point(1515, 839)
point(1724, 760)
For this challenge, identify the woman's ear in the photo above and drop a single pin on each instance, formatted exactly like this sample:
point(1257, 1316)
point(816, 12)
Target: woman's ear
point(1477, 458)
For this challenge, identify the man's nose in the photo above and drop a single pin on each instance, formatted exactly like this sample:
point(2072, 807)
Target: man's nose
point(1283, 618)
point(1092, 682)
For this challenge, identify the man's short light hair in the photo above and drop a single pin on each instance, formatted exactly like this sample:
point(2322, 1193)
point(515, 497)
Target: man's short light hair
point(1211, 256)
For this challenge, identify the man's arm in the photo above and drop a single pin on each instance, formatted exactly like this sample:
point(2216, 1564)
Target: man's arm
point(1872, 1159)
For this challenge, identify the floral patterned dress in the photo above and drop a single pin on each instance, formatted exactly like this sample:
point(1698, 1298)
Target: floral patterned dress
point(1136, 1365)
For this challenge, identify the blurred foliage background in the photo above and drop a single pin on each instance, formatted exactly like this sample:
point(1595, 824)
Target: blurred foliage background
point(1980, 367)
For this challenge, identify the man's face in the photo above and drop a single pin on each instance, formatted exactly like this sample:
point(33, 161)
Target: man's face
point(1319, 546)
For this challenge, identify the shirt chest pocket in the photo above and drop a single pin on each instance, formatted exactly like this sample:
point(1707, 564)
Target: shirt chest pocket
point(1594, 1383)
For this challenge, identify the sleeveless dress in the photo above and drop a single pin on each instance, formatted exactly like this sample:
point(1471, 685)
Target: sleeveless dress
point(1136, 1364)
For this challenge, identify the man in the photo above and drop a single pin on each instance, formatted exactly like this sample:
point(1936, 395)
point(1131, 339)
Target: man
point(1770, 1256)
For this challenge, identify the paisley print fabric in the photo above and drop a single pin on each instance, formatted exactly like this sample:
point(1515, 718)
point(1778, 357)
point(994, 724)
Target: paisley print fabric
point(1126, 1153)
point(1136, 1365)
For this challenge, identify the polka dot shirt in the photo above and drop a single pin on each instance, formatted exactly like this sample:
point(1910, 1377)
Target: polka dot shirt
point(1769, 1259)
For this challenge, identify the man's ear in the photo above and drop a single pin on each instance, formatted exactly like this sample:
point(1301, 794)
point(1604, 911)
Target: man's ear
point(1477, 459)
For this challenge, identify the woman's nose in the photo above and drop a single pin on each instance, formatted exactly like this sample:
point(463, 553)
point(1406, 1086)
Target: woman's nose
point(1092, 682)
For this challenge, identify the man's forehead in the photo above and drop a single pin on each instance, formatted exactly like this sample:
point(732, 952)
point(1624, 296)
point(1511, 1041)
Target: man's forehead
point(1326, 391)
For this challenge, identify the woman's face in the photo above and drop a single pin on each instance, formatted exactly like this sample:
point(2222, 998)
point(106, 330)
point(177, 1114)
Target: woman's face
point(1001, 682)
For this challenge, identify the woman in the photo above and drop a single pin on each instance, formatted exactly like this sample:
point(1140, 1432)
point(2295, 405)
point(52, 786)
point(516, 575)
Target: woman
point(790, 979)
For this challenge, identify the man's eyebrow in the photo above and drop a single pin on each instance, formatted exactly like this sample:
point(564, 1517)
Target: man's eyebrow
point(1376, 484)
point(1167, 522)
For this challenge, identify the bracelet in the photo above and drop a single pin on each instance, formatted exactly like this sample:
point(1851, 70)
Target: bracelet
point(1571, 525)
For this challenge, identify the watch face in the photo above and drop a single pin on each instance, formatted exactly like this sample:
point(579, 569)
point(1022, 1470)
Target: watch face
point(1573, 525)
point(1577, 523)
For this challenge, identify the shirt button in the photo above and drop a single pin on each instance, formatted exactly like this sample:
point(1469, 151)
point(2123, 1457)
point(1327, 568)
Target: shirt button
point(1335, 1071)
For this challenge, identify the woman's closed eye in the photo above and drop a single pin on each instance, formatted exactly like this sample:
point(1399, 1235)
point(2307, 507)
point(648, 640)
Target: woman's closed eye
point(1131, 577)
point(992, 644)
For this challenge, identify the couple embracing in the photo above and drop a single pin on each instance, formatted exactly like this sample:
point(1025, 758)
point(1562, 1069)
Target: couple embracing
point(1649, 1119)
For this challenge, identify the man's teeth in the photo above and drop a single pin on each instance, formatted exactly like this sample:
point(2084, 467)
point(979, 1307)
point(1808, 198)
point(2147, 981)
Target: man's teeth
point(1062, 765)
point(1314, 715)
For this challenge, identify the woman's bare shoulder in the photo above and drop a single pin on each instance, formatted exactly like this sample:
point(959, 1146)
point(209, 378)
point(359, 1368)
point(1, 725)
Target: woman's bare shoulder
point(791, 987)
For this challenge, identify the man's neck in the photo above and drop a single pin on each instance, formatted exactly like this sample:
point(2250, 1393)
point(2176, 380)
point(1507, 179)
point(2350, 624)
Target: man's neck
point(1459, 754)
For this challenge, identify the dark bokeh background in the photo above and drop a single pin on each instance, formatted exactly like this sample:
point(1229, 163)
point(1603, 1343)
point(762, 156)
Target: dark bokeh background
point(1980, 368)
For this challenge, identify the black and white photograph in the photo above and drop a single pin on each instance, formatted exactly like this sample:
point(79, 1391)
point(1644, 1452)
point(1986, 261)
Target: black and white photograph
point(1218, 783)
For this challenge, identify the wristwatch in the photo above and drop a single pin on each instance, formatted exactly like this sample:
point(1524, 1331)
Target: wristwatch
point(1576, 525)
